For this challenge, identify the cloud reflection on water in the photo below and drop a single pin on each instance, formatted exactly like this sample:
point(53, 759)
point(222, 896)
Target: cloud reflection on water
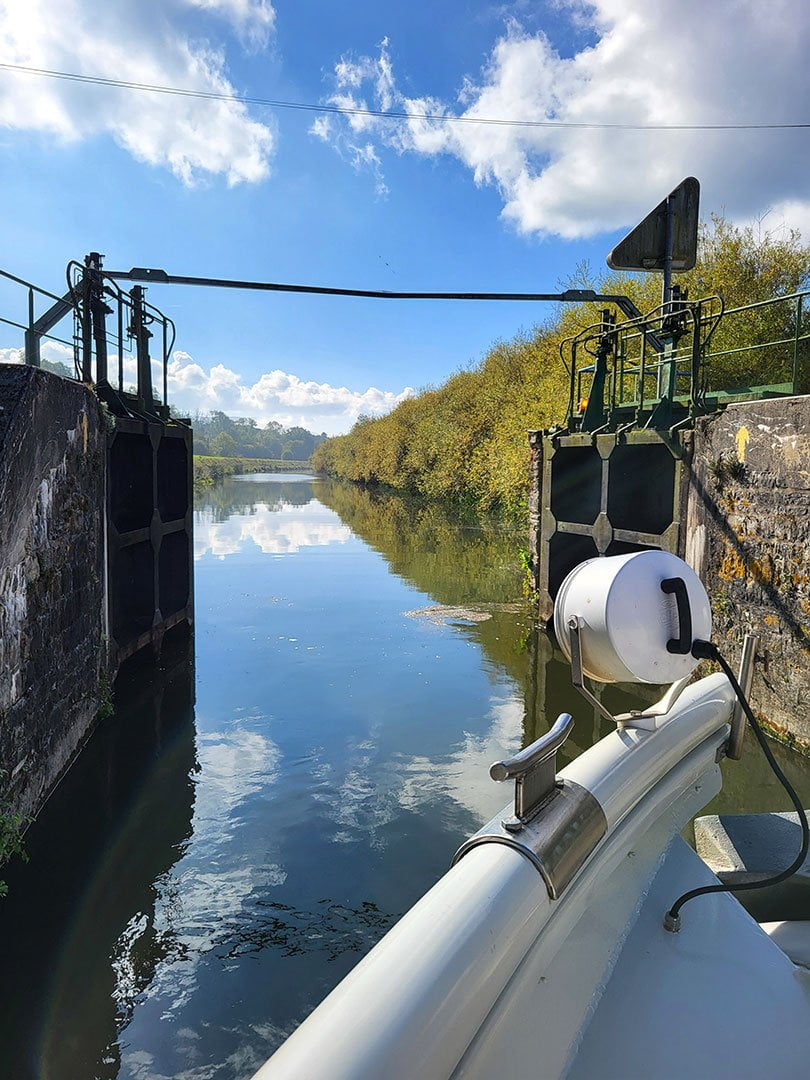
point(200, 902)
point(273, 530)
point(464, 774)
point(372, 793)
point(235, 907)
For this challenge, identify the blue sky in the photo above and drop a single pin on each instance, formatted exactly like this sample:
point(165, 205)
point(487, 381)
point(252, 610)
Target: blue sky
point(202, 187)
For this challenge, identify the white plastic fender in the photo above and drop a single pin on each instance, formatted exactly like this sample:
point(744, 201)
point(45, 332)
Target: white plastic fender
point(414, 1004)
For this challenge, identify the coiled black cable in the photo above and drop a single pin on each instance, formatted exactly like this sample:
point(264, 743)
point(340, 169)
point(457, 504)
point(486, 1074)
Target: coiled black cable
point(706, 650)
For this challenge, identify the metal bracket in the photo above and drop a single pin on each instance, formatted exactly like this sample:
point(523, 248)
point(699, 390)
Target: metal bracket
point(745, 678)
point(534, 771)
point(577, 674)
point(558, 839)
point(640, 719)
point(647, 719)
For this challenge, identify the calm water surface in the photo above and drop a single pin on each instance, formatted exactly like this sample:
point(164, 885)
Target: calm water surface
point(237, 837)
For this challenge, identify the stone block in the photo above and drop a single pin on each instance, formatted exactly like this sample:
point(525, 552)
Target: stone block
point(740, 848)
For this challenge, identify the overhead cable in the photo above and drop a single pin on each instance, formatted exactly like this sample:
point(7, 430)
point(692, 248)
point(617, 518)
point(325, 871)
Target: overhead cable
point(244, 99)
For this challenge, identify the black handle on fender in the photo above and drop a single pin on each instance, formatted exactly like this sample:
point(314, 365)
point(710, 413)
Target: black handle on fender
point(683, 643)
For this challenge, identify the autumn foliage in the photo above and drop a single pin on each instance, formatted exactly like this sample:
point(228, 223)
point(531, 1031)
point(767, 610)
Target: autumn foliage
point(466, 440)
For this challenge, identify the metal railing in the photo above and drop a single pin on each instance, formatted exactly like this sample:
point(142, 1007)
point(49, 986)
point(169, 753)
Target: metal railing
point(95, 295)
point(30, 298)
point(684, 359)
point(92, 297)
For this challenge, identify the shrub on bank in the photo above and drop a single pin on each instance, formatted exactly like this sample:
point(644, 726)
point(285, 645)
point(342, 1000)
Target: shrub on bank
point(466, 440)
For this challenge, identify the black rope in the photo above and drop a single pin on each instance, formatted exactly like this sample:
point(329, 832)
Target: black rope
point(705, 650)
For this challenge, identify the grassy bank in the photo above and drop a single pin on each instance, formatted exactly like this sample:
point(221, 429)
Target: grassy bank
point(466, 440)
point(207, 470)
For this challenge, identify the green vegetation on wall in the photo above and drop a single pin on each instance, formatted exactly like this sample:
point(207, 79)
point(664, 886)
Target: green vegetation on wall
point(12, 826)
point(466, 440)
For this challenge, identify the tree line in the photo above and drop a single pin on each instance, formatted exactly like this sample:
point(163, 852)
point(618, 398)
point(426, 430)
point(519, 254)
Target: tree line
point(466, 440)
point(219, 435)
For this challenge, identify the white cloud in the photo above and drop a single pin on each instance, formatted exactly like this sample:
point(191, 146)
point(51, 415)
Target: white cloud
point(52, 351)
point(253, 20)
point(321, 127)
point(138, 43)
point(276, 395)
point(790, 214)
point(738, 62)
point(349, 75)
point(200, 901)
point(464, 775)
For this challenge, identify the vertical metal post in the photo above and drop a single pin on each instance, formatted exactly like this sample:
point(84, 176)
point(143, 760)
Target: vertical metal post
point(86, 320)
point(595, 412)
point(573, 400)
point(165, 368)
point(672, 371)
point(666, 362)
point(694, 374)
point(668, 240)
point(120, 345)
point(642, 376)
point(796, 339)
point(745, 678)
point(98, 311)
point(146, 397)
point(32, 338)
point(622, 359)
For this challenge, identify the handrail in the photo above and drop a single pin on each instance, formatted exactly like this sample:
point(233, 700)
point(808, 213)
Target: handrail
point(765, 303)
point(29, 285)
point(616, 379)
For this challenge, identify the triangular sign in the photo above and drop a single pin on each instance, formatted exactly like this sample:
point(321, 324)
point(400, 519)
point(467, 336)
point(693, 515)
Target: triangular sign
point(645, 247)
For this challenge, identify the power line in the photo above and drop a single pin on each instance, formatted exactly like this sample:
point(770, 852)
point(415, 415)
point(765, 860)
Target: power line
point(177, 91)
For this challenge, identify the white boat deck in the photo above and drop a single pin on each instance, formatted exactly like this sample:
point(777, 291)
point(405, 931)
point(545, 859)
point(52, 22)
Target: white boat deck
point(718, 999)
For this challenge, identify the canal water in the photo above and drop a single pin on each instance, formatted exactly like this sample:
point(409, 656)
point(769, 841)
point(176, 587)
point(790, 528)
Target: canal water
point(253, 819)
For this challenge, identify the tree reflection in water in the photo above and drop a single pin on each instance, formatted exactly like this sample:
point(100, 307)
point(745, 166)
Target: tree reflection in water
point(196, 886)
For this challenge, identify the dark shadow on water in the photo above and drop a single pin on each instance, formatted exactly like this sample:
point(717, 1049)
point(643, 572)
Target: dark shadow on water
point(118, 820)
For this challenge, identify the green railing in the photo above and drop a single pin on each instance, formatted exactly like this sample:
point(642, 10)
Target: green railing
point(686, 359)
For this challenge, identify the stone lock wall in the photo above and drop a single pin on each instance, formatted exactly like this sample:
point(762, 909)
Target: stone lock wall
point(747, 533)
point(740, 516)
point(52, 605)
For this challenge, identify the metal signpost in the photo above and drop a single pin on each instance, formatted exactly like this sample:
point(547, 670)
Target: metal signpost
point(666, 242)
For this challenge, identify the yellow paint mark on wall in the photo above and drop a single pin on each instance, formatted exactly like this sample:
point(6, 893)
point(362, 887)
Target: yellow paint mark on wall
point(771, 620)
point(742, 439)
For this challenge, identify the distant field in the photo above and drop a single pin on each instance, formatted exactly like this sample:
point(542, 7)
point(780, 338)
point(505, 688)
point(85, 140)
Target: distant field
point(207, 470)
